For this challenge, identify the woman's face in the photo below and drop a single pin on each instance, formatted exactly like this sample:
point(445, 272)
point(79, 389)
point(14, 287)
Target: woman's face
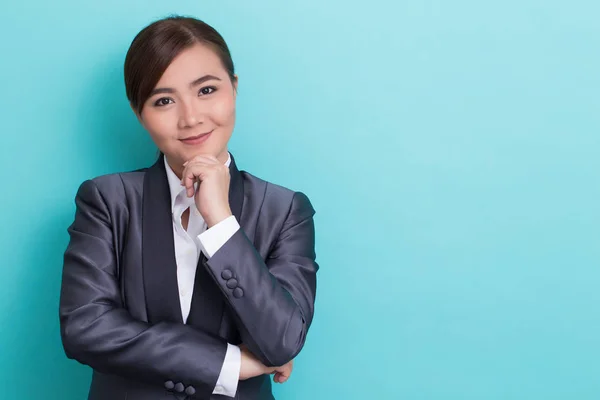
point(191, 110)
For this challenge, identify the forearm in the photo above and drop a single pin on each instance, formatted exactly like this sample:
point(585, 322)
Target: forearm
point(273, 299)
point(98, 331)
point(110, 341)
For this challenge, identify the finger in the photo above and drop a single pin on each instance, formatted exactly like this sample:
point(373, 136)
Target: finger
point(283, 373)
point(280, 378)
point(207, 158)
point(199, 161)
point(195, 163)
point(190, 175)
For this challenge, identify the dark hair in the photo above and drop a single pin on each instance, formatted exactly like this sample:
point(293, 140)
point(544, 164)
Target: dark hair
point(155, 47)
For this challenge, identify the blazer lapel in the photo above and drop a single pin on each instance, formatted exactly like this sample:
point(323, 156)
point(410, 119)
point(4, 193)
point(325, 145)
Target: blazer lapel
point(158, 255)
point(207, 307)
point(158, 248)
point(236, 190)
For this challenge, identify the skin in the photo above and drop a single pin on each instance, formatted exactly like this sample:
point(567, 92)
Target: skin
point(195, 95)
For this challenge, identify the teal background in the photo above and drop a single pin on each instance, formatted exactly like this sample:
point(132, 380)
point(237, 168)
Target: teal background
point(451, 151)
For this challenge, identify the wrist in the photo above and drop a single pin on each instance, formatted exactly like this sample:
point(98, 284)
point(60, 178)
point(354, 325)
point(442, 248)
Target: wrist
point(215, 218)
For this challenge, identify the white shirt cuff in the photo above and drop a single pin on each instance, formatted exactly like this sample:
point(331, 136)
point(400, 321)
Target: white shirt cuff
point(230, 372)
point(212, 239)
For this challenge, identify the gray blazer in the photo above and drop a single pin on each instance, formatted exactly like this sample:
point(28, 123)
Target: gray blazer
point(119, 302)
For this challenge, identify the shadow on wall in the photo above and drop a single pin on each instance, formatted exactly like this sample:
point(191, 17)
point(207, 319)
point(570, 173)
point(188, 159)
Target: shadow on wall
point(35, 342)
point(106, 138)
point(111, 138)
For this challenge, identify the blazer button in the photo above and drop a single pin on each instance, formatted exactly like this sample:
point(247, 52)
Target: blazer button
point(232, 283)
point(179, 387)
point(169, 385)
point(190, 391)
point(238, 292)
point(226, 274)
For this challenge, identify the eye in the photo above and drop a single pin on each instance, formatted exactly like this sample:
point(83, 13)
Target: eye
point(206, 90)
point(163, 101)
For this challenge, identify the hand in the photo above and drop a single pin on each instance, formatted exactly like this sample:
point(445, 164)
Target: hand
point(212, 196)
point(284, 372)
point(251, 367)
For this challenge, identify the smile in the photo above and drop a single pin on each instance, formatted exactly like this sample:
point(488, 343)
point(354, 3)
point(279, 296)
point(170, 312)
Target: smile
point(193, 140)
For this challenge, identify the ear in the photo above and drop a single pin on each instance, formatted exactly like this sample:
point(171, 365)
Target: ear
point(235, 84)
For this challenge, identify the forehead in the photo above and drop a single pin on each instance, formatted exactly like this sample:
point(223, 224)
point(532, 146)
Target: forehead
point(190, 64)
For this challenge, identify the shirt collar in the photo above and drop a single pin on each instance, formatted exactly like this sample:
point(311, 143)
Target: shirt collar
point(175, 183)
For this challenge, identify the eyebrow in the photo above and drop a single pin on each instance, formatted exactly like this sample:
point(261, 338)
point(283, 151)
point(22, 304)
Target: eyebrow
point(197, 82)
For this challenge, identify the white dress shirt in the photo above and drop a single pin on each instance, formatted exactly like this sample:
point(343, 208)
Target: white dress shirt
point(188, 245)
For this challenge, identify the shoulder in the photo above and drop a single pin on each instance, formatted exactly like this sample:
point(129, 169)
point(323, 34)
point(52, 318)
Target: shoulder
point(277, 196)
point(113, 187)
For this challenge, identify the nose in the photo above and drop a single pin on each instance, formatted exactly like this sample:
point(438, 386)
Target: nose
point(190, 114)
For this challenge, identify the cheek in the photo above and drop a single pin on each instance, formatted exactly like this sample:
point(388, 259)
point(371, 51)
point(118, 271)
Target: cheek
point(158, 125)
point(223, 111)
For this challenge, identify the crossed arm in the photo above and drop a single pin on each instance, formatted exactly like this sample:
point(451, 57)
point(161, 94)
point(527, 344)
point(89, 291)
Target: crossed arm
point(273, 314)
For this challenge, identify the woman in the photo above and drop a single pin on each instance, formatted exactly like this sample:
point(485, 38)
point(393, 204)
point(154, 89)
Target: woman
point(190, 278)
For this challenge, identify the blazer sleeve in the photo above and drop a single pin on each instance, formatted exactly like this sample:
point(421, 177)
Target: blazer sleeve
point(98, 331)
point(273, 300)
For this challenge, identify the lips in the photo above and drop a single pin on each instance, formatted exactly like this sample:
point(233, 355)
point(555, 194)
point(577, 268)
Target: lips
point(197, 136)
point(197, 139)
